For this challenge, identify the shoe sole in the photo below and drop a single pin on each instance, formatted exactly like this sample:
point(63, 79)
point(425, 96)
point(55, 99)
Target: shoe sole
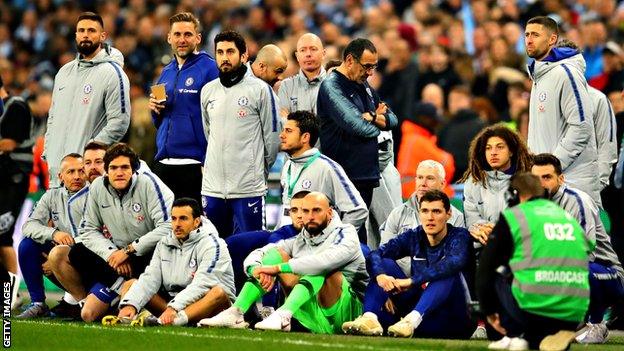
point(244, 325)
point(559, 341)
point(396, 335)
point(357, 331)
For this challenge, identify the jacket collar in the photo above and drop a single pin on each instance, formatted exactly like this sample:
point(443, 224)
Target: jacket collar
point(305, 157)
point(333, 225)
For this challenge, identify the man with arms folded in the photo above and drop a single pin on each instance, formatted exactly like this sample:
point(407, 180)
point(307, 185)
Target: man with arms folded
point(322, 268)
point(190, 275)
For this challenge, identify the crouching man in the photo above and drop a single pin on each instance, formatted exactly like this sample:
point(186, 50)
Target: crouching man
point(322, 269)
point(432, 302)
point(190, 275)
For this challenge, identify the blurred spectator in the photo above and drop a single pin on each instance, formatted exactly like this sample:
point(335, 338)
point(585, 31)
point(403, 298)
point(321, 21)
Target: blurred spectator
point(440, 72)
point(612, 76)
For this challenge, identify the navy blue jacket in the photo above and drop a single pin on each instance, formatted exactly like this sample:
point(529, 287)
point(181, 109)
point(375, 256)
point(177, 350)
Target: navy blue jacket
point(345, 137)
point(180, 130)
point(449, 257)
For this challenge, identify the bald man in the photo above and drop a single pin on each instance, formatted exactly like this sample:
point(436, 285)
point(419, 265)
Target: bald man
point(299, 92)
point(269, 65)
point(322, 269)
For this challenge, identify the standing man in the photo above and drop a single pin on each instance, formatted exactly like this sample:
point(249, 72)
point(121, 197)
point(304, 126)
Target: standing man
point(546, 252)
point(300, 91)
point(352, 116)
point(16, 163)
point(180, 141)
point(242, 126)
point(560, 110)
point(91, 97)
point(269, 65)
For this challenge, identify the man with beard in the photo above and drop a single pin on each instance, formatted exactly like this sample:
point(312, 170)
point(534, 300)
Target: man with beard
point(560, 108)
point(323, 270)
point(269, 65)
point(180, 143)
point(91, 97)
point(300, 91)
point(242, 126)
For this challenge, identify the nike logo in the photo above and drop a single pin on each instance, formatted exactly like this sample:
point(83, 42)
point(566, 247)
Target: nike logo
point(106, 206)
point(61, 88)
point(104, 292)
point(418, 258)
point(253, 204)
point(480, 203)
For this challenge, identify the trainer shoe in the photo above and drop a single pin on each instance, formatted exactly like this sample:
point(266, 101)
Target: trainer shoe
point(363, 325)
point(402, 329)
point(229, 318)
point(145, 319)
point(557, 342)
point(593, 334)
point(278, 320)
point(480, 333)
point(112, 320)
point(34, 310)
point(66, 310)
point(507, 343)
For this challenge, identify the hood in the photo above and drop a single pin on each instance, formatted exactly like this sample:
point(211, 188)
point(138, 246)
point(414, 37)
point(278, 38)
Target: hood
point(107, 54)
point(319, 239)
point(557, 56)
point(206, 228)
point(305, 157)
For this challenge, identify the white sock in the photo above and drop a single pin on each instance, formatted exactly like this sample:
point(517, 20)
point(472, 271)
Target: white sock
point(370, 315)
point(70, 299)
point(181, 319)
point(284, 312)
point(415, 317)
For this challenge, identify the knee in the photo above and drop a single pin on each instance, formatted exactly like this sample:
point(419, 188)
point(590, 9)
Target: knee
point(275, 256)
point(217, 293)
point(57, 255)
point(27, 246)
point(89, 315)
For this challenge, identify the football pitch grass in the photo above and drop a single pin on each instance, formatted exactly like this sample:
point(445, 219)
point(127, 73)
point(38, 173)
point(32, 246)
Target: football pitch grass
point(50, 334)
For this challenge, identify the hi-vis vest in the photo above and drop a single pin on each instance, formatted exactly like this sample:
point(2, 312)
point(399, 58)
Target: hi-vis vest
point(549, 262)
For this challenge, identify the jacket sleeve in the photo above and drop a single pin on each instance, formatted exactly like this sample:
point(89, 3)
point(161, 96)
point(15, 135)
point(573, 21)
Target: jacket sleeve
point(36, 226)
point(455, 257)
point(472, 212)
point(604, 122)
point(394, 249)
point(204, 110)
point(148, 283)
point(159, 201)
point(343, 250)
point(344, 112)
point(284, 100)
point(117, 106)
point(255, 257)
point(271, 125)
point(390, 228)
point(577, 110)
point(76, 208)
point(457, 218)
point(214, 262)
point(391, 119)
point(347, 198)
point(91, 229)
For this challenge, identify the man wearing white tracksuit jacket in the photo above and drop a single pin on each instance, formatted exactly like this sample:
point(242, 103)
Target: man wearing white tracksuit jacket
point(185, 266)
point(560, 109)
point(605, 126)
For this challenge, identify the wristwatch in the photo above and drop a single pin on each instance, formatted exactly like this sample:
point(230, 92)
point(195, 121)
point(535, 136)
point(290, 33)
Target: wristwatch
point(374, 115)
point(129, 250)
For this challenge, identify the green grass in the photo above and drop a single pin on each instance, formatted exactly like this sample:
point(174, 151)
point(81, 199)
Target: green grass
point(54, 335)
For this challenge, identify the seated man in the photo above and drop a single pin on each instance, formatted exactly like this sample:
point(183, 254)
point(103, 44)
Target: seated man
point(434, 294)
point(126, 215)
point(49, 224)
point(546, 252)
point(190, 275)
point(606, 276)
point(322, 268)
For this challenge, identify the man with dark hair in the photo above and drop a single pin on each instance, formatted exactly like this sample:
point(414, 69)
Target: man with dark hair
point(53, 221)
point(91, 97)
point(242, 127)
point(561, 118)
point(190, 275)
point(544, 288)
point(181, 146)
point(93, 160)
point(436, 291)
point(606, 276)
point(352, 116)
point(16, 163)
point(126, 215)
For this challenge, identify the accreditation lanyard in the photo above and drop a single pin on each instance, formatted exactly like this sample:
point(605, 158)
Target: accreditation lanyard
point(291, 185)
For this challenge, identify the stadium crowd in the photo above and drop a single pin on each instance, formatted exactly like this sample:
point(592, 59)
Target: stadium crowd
point(153, 128)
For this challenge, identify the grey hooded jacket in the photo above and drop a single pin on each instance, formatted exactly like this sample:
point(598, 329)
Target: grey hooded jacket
point(605, 125)
point(561, 120)
point(328, 177)
point(484, 205)
point(405, 217)
point(187, 270)
point(336, 248)
point(140, 216)
point(62, 208)
point(242, 126)
point(90, 101)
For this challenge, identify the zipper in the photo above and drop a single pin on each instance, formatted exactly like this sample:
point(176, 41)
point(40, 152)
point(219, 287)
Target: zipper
point(225, 114)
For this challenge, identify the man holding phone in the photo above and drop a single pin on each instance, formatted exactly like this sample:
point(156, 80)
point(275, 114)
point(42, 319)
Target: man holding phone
point(175, 105)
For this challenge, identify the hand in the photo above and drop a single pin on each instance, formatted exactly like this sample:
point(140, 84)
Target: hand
point(168, 316)
point(382, 108)
point(117, 258)
point(494, 321)
point(367, 117)
point(156, 105)
point(62, 238)
point(127, 312)
point(265, 276)
point(402, 285)
point(47, 269)
point(481, 232)
point(386, 282)
point(270, 270)
point(389, 306)
point(124, 270)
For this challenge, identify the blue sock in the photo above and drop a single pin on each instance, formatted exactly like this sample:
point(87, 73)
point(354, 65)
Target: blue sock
point(30, 261)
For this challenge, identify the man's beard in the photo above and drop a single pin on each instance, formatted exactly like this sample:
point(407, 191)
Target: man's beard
point(87, 48)
point(537, 54)
point(233, 76)
point(313, 231)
